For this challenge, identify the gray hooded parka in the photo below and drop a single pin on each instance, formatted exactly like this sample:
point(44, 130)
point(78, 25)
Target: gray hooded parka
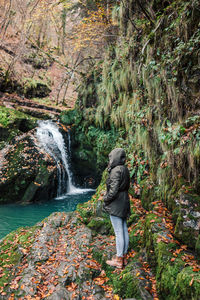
point(116, 200)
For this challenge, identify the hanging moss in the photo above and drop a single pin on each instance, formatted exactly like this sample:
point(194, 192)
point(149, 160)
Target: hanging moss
point(141, 87)
point(197, 246)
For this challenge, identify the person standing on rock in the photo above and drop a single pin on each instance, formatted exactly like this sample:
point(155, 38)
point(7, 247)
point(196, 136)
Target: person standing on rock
point(117, 204)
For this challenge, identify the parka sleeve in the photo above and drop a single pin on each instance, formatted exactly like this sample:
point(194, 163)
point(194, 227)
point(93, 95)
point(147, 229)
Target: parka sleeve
point(115, 181)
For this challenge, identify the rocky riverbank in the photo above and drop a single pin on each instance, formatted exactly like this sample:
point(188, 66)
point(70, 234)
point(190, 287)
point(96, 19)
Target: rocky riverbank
point(62, 262)
point(58, 264)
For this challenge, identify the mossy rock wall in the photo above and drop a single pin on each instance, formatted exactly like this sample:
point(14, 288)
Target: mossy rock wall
point(13, 123)
point(144, 96)
point(27, 174)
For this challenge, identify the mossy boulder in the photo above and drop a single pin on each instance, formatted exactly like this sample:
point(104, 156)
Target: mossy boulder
point(27, 174)
point(100, 225)
point(11, 251)
point(187, 223)
point(36, 88)
point(132, 283)
point(175, 278)
point(13, 119)
point(13, 123)
point(136, 233)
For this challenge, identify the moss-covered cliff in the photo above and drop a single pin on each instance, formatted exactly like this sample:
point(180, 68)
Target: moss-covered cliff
point(145, 97)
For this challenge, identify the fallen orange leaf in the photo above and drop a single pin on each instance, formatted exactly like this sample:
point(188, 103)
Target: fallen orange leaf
point(173, 259)
point(195, 269)
point(191, 282)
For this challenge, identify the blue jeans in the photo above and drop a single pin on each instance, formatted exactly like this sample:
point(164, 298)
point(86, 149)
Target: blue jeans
point(121, 234)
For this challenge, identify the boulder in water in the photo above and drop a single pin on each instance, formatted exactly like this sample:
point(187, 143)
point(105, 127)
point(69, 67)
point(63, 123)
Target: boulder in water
point(26, 173)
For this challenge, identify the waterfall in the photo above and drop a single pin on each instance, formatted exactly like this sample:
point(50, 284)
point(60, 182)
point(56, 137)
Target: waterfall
point(51, 140)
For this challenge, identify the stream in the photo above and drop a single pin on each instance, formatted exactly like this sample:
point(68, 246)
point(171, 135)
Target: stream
point(17, 215)
point(13, 216)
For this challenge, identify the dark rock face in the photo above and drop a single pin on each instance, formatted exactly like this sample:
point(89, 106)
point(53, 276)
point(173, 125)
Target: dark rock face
point(4, 133)
point(27, 173)
point(82, 160)
point(31, 90)
point(40, 90)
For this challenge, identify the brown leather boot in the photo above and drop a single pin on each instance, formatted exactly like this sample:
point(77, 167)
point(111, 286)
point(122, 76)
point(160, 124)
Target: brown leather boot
point(116, 261)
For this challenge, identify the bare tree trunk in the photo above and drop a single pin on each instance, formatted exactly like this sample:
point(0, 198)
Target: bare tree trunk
point(64, 79)
point(5, 20)
point(66, 88)
point(64, 13)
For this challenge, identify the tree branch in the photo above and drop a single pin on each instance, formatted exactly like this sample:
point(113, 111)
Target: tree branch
point(144, 11)
point(132, 23)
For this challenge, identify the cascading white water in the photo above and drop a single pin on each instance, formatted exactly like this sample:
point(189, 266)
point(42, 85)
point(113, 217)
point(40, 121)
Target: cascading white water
point(51, 140)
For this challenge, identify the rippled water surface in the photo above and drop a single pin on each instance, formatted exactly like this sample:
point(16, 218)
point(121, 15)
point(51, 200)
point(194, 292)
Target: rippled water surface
point(13, 216)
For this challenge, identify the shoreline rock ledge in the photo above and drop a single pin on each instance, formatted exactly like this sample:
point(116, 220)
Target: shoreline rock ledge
point(58, 262)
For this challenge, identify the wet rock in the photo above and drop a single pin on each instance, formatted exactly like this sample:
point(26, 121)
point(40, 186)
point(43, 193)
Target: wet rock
point(188, 221)
point(84, 159)
point(27, 174)
point(59, 294)
point(28, 282)
point(40, 250)
point(57, 219)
